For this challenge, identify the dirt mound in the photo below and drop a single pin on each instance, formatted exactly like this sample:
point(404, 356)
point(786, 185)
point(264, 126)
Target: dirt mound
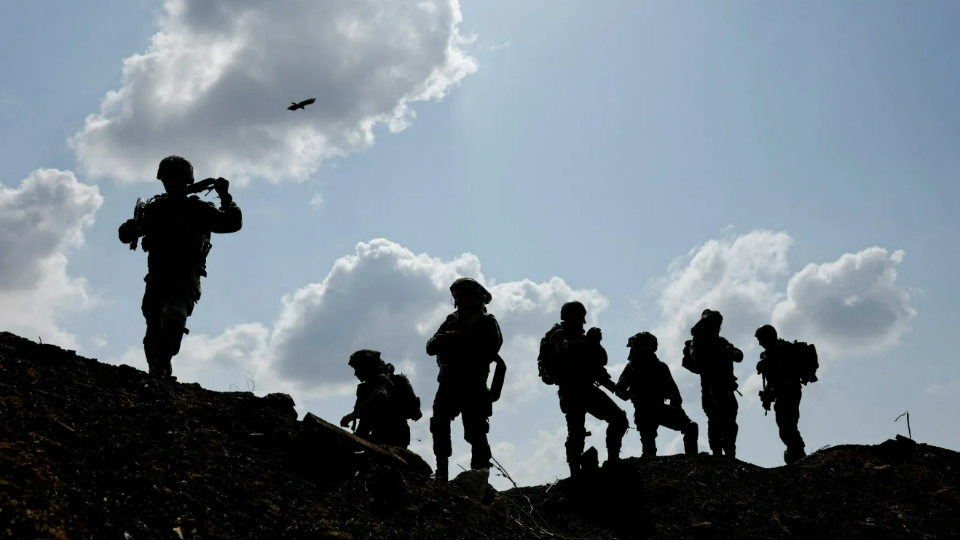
point(898, 489)
point(90, 450)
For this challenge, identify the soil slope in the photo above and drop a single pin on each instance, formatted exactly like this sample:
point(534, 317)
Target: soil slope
point(91, 450)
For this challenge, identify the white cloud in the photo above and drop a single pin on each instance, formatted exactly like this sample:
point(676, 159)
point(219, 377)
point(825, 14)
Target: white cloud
point(736, 277)
point(216, 80)
point(851, 306)
point(847, 307)
point(40, 222)
point(317, 201)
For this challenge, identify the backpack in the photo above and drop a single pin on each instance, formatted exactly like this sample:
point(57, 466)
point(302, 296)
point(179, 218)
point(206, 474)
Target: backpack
point(806, 361)
point(548, 361)
point(403, 398)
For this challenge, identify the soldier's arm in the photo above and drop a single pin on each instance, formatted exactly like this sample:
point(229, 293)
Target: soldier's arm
point(437, 344)
point(226, 219)
point(376, 399)
point(671, 391)
point(623, 383)
point(734, 353)
point(128, 231)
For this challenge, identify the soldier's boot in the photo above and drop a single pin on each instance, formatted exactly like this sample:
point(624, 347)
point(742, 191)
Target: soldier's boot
point(480, 455)
point(649, 449)
point(616, 429)
point(730, 448)
point(574, 468)
point(690, 436)
point(442, 473)
point(792, 455)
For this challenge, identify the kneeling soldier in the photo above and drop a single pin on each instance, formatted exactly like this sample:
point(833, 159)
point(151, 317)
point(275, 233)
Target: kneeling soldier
point(648, 383)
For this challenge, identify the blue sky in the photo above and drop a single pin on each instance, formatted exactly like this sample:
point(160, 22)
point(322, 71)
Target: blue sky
point(599, 144)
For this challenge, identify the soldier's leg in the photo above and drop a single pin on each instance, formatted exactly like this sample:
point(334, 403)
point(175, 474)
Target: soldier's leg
point(647, 426)
point(714, 433)
point(604, 408)
point(787, 410)
point(442, 445)
point(576, 437)
point(475, 429)
point(730, 427)
point(676, 419)
point(151, 307)
point(177, 306)
point(444, 411)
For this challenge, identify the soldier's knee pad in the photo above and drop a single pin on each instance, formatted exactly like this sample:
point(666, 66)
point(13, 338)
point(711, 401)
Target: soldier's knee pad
point(174, 321)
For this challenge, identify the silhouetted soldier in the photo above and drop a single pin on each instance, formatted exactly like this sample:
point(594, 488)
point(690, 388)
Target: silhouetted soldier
point(712, 357)
point(176, 232)
point(648, 383)
point(578, 368)
point(781, 364)
point(465, 345)
point(385, 401)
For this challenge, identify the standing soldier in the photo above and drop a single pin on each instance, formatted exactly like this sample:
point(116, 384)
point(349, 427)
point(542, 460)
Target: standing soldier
point(465, 345)
point(576, 362)
point(176, 236)
point(784, 367)
point(648, 382)
point(712, 357)
point(385, 401)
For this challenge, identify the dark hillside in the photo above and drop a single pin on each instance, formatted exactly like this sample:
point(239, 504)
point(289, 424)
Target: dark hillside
point(90, 450)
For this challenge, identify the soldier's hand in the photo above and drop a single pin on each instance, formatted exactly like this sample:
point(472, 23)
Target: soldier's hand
point(221, 185)
point(347, 420)
point(594, 334)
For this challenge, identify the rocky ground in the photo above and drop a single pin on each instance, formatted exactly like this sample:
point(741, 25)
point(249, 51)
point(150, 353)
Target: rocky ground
point(89, 450)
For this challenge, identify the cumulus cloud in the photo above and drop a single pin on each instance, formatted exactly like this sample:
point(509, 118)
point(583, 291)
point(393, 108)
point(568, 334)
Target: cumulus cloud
point(852, 305)
point(382, 297)
point(736, 277)
point(218, 75)
point(40, 222)
point(846, 307)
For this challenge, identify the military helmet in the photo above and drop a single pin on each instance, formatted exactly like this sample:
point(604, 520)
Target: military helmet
point(365, 358)
point(471, 285)
point(710, 320)
point(571, 308)
point(709, 314)
point(172, 167)
point(766, 332)
point(636, 339)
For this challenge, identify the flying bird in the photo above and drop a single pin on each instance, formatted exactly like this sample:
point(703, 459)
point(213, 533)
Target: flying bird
point(294, 105)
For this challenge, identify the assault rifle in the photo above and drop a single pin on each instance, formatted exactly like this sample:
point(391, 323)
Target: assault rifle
point(139, 210)
point(766, 396)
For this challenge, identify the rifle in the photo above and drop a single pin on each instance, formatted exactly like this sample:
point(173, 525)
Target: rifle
point(140, 209)
point(766, 396)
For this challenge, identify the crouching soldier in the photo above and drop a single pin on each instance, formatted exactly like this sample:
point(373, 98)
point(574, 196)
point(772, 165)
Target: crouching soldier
point(465, 345)
point(578, 366)
point(648, 383)
point(385, 401)
point(785, 366)
point(176, 232)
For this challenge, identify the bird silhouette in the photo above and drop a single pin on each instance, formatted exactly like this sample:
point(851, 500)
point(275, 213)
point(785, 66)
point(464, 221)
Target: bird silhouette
point(294, 105)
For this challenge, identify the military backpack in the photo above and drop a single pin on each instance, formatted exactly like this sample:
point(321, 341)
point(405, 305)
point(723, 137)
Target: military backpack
point(806, 361)
point(548, 361)
point(404, 399)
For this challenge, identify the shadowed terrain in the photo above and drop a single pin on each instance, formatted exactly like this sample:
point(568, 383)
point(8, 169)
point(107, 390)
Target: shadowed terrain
point(91, 450)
